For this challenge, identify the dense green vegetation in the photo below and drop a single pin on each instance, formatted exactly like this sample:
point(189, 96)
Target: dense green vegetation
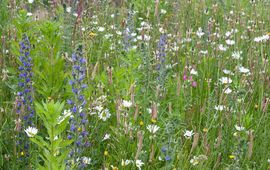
point(134, 84)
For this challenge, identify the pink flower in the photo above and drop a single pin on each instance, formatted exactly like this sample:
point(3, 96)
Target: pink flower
point(185, 77)
point(194, 84)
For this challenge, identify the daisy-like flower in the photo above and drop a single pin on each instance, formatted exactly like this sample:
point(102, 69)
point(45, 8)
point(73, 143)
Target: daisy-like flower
point(68, 9)
point(139, 164)
point(239, 128)
point(225, 80)
point(197, 159)
point(66, 113)
point(152, 128)
point(127, 103)
point(243, 70)
point(230, 42)
point(86, 160)
point(188, 134)
point(31, 131)
point(106, 137)
point(219, 108)
point(126, 162)
point(104, 115)
point(221, 47)
point(194, 161)
point(227, 90)
point(101, 29)
point(204, 52)
point(193, 72)
point(228, 72)
point(199, 33)
point(163, 11)
point(237, 55)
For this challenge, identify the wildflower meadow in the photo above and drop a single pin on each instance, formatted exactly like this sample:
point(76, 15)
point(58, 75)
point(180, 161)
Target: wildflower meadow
point(134, 84)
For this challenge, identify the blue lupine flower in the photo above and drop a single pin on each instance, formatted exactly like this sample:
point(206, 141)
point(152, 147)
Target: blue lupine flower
point(161, 67)
point(79, 121)
point(164, 149)
point(24, 101)
point(25, 84)
point(167, 158)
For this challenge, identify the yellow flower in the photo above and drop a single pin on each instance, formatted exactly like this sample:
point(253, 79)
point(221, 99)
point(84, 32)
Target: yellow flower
point(79, 129)
point(22, 153)
point(153, 120)
point(205, 130)
point(106, 153)
point(231, 156)
point(235, 134)
point(141, 123)
point(114, 167)
point(92, 34)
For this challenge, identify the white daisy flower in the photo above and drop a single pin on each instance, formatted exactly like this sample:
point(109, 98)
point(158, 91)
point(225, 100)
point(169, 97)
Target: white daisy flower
point(127, 103)
point(106, 137)
point(29, 14)
point(104, 115)
point(228, 72)
point(193, 72)
point(225, 80)
point(239, 128)
point(152, 128)
point(68, 9)
point(227, 90)
point(31, 131)
point(219, 108)
point(199, 33)
point(221, 47)
point(101, 29)
point(188, 134)
point(163, 11)
point(86, 160)
point(243, 70)
point(230, 42)
point(139, 164)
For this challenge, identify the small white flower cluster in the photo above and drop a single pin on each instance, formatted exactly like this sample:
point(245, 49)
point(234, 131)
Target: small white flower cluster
point(152, 128)
point(197, 159)
point(220, 108)
point(84, 160)
point(127, 104)
point(138, 163)
point(65, 114)
point(244, 70)
point(103, 113)
point(263, 38)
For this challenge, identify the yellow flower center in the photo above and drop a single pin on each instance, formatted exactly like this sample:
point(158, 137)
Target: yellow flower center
point(231, 156)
